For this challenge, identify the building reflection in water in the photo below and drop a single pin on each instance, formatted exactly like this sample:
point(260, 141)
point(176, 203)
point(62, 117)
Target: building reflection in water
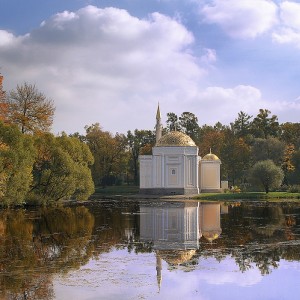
point(175, 229)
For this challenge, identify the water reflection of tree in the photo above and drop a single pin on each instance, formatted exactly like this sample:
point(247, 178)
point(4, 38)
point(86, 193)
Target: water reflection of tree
point(32, 249)
point(256, 235)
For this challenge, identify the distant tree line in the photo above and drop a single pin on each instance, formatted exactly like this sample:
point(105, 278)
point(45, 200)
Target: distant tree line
point(37, 166)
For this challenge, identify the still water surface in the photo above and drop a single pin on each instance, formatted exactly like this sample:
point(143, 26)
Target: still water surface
point(151, 250)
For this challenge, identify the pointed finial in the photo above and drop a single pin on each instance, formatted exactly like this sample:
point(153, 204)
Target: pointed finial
point(158, 116)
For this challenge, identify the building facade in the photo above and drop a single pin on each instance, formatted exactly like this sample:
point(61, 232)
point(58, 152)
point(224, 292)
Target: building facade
point(175, 167)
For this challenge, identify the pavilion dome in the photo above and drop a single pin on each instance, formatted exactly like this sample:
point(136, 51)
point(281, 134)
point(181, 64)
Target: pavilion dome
point(175, 139)
point(210, 156)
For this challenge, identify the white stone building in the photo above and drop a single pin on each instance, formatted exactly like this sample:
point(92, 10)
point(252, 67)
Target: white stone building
point(175, 168)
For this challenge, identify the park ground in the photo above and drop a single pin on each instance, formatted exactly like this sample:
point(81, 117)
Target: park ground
point(132, 192)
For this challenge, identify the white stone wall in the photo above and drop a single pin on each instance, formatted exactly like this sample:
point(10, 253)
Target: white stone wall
point(145, 171)
point(210, 175)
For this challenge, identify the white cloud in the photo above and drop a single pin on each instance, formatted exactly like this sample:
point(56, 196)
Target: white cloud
point(224, 104)
point(289, 31)
point(103, 65)
point(6, 38)
point(106, 66)
point(241, 19)
point(289, 14)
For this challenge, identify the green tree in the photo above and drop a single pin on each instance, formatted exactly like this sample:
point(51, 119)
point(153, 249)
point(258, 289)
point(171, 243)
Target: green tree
point(29, 109)
point(61, 169)
point(16, 160)
point(172, 122)
point(266, 174)
point(269, 148)
point(242, 124)
point(264, 126)
point(188, 123)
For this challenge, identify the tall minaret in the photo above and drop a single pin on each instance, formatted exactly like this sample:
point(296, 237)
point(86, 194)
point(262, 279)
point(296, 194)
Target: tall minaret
point(158, 125)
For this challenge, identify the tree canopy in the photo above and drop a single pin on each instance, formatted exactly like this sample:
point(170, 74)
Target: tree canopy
point(29, 109)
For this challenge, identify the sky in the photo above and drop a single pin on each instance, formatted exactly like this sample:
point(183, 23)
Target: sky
point(112, 62)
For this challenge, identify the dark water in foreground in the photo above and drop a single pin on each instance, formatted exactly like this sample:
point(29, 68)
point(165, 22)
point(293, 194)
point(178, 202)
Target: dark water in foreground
point(151, 250)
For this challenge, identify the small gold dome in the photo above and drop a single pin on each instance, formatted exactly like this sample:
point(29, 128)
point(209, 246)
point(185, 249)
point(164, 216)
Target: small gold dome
point(210, 156)
point(175, 139)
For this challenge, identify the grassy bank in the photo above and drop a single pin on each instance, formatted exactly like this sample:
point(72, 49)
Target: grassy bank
point(272, 196)
point(124, 190)
point(127, 190)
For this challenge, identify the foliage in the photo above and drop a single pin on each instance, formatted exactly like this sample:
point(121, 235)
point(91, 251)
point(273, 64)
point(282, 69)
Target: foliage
point(3, 104)
point(172, 122)
point(266, 174)
point(29, 109)
point(242, 125)
point(16, 159)
point(264, 126)
point(61, 169)
point(137, 142)
point(235, 154)
point(290, 134)
point(188, 123)
point(269, 148)
point(109, 154)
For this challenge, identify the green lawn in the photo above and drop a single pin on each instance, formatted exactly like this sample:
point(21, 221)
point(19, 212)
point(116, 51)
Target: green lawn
point(117, 190)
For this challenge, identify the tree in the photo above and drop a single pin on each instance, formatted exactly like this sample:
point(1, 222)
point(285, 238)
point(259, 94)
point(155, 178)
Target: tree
point(172, 122)
point(290, 133)
point(3, 104)
point(189, 124)
point(61, 169)
point(264, 126)
point(287, 164)
point(210, 138)
point(29, 109)
point(269, 148)
point(138, 141)
point(109, 154)
point(242, 124)
point(266, 174)
point(235, 154)
point(16, 160)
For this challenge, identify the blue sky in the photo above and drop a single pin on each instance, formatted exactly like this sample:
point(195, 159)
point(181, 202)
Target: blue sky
point(111, 62)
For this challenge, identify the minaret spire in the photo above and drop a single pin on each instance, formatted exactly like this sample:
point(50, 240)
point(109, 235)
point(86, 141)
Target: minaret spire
point(158, 125)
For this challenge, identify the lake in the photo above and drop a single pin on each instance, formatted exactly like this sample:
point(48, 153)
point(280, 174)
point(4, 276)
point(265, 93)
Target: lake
point(151, 250)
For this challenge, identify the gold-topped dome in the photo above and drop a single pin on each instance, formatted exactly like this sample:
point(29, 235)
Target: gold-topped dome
point(210, 156)
point(175, 138)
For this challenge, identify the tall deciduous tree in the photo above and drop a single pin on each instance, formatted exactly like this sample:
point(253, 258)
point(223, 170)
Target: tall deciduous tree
point(108, 151)
point(290, 133)
point(235, 155)
point(29, 109)
point(266, 174)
